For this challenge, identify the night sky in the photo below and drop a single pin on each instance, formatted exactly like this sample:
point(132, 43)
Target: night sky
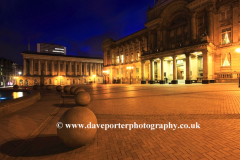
point(80, 25)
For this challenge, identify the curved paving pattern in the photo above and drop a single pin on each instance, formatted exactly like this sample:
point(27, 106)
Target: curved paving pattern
point(215, 107)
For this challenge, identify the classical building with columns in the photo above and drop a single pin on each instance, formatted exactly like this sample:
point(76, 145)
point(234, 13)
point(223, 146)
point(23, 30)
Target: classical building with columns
point(185, 41)
point(58, 69)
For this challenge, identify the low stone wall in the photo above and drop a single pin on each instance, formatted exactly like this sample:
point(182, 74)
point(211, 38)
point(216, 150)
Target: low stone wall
point(13, 105)
point(227, 80)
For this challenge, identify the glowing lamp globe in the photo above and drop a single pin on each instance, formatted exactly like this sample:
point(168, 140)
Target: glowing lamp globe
point(238, 50)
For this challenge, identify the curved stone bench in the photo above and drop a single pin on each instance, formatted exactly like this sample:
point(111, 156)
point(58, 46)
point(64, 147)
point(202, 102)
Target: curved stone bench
point(13, 105)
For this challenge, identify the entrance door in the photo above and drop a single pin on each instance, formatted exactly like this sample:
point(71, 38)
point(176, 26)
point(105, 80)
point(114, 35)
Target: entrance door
point(180, 73)
point(56, 82)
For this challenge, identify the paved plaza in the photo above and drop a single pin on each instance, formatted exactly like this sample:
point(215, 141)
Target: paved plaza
point(31, 133)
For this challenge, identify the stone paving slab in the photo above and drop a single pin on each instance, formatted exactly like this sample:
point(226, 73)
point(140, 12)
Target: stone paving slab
point(215, 107)
point(21, 124)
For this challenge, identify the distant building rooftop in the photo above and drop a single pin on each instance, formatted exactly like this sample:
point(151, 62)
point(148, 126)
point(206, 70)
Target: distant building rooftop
point(52, 54)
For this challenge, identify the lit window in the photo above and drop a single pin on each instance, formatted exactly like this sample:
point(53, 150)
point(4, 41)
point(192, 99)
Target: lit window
point(226, 60)
point(226, 36)
point(59, 49)
point(226, 15)
point(179, 61)
point(117, 59)
point(122, 58)
point(112, 58)
point(137, 70)
point(138, 56)
point(132, 57)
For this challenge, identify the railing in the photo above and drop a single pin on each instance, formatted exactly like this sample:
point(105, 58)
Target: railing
point(225, 76)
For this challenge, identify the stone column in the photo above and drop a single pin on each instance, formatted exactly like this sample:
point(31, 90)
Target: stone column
point(158, 70)
point(152, 81)
point(94, 68)
point(188, 80)
point(205, 67)
point(174, 81)
point(24, 67)
point(31, 67)
point(90, 69)
point(162, 73)
point(65, 68)
point(143, 72)
point(52, 70)
point(85, 68)
point(216, 28)
point(98, 65)
point(164, 36)
point(194, 30)
point(210, 25)
point(70, 68)
point(39, 67)
point(149, 46)
point(100, 69)
point(235, 23)
point(46, 67)
point(159, 35)
point(80, 69)
point(59, 74)
point(75, 70)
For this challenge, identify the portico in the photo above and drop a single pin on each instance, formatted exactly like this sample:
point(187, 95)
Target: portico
point(181, 66)
point(53, 69)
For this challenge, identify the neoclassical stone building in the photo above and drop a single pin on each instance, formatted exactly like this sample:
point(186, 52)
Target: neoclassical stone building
point(57, 69)
point(185, 41)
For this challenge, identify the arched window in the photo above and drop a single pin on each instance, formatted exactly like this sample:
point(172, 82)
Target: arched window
point(26, 82)
point(226, 59)
point(178, 31)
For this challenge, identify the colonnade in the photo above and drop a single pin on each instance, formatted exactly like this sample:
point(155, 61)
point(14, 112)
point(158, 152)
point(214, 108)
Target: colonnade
point(207, 69)
point(59, 68)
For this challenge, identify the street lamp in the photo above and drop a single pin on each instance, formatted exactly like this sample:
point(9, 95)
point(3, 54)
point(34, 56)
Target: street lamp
point(130, 68)
point(105, 73)
point(19, 73)
point(60, 79)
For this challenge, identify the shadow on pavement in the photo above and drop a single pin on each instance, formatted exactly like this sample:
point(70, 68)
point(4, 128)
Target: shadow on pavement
point(65, 105)
point(34, 147)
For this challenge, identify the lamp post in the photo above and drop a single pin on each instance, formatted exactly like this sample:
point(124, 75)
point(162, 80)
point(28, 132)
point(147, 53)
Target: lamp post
point(130, 69)
point(105, 73)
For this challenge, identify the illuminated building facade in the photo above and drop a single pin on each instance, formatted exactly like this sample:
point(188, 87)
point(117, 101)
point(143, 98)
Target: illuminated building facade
point(57, 69)
point(185, 41)
point(51, 48)
point(8, 71)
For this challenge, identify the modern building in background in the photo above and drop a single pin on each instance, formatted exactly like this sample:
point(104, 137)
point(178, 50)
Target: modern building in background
point(59, 69)
point(51, 48)
point(9, 72)
point(185, 41)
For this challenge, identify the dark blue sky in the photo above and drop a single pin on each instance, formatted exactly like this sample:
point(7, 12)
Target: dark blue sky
point(80, 25)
